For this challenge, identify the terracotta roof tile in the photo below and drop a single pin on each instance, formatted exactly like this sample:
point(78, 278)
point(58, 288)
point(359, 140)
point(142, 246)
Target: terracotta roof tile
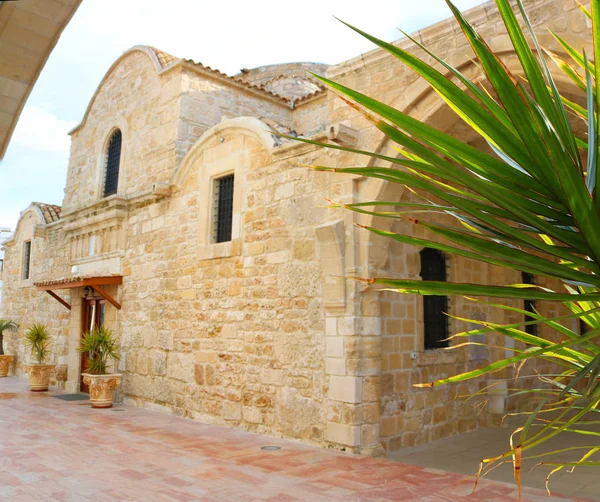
point(163, 58)
point(63, 280)
point(166, 60)
point(51, 212)
point(66, 280)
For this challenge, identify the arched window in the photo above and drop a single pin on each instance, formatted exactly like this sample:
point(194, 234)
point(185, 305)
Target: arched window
point(435, 321)
point(223, 208)
point(113, 161)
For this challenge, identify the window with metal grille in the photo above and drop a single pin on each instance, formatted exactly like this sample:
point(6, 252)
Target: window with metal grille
point(435, 320)
point(113, 161)
point(223, 208)
point(529, 305)
point(26, 259)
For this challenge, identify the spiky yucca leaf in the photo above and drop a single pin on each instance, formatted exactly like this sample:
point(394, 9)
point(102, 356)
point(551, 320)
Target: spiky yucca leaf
point(101, 346)
point(37, 338)
point(531, 205)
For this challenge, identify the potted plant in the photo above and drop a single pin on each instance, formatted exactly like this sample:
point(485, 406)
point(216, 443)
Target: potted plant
point(5, 359)
point(101, 346)
point(38, 339)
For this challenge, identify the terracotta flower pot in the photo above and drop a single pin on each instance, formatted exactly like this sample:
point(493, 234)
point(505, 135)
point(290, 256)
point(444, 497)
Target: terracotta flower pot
point(102, 388)
point(5, 361)
point(39, 375)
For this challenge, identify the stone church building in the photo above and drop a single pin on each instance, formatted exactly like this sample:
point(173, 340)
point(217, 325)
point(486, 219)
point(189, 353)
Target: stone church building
point(200, 237)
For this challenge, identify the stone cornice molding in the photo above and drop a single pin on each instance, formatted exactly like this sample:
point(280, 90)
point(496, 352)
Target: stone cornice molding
point(106, 211)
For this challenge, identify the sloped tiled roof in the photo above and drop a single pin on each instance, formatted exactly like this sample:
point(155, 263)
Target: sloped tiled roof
point(292, 87)
point(50, 211)
point(88, 280)
point(62, 280)
point(167, 60)
point(163, 58)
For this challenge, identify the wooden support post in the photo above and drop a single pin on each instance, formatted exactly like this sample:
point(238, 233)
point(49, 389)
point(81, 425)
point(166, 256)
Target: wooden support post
point(106, 296)
point(58, 299)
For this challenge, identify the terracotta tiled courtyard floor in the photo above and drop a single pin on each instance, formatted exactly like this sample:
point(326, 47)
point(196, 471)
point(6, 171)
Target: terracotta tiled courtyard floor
point(56, 450)
point(461, 454)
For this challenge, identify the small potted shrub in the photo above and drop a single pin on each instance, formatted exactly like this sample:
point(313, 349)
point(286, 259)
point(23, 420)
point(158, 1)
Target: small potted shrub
point(101, 346)
point(37, 339)
point(5, 359)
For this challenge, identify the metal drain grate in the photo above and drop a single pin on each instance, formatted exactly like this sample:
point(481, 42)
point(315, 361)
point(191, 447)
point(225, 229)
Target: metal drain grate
point(72, 397)
point(270, 448)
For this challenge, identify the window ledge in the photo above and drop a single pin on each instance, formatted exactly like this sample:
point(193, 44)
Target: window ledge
point(26, 283)
point(220, 250)
point(436, 356)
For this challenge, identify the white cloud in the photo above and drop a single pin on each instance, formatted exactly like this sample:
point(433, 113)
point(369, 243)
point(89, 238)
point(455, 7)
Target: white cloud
point(9, 218)
point(39, 129)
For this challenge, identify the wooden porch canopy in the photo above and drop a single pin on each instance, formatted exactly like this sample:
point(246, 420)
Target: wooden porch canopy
point(95, 283)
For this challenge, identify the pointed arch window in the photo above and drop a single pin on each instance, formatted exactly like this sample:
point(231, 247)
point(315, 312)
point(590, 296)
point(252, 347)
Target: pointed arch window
point(113, 163)
point(435, 320)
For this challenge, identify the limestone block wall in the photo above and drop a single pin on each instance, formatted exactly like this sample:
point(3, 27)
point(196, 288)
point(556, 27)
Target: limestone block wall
point(264, 332)
point(409, 415)
point(263, 75)
point(311, 116)
point(230, 334)
point(25, 305)
point(144, 106)
point(207, 101)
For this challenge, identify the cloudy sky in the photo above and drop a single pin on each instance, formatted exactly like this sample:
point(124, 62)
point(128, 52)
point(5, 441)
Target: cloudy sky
point(226, 35)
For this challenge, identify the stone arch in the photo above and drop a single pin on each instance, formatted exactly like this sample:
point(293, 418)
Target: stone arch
point(120, 125)
point(33, 209)
point(148, 51)
point(427, 107)
point(248, 126)
point(374, 251)
point(233, 147)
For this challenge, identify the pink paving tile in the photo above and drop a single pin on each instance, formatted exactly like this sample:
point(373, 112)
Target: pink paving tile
point(72, 452)
point(131, 474)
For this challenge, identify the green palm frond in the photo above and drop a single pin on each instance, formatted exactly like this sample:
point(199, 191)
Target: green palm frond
point(101, 346)
point(38, 339)
point(530, 204)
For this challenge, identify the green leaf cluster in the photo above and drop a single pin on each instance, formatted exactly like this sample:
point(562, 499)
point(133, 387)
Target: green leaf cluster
point(38, 340)
point(531, 203)
point(101, 345)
